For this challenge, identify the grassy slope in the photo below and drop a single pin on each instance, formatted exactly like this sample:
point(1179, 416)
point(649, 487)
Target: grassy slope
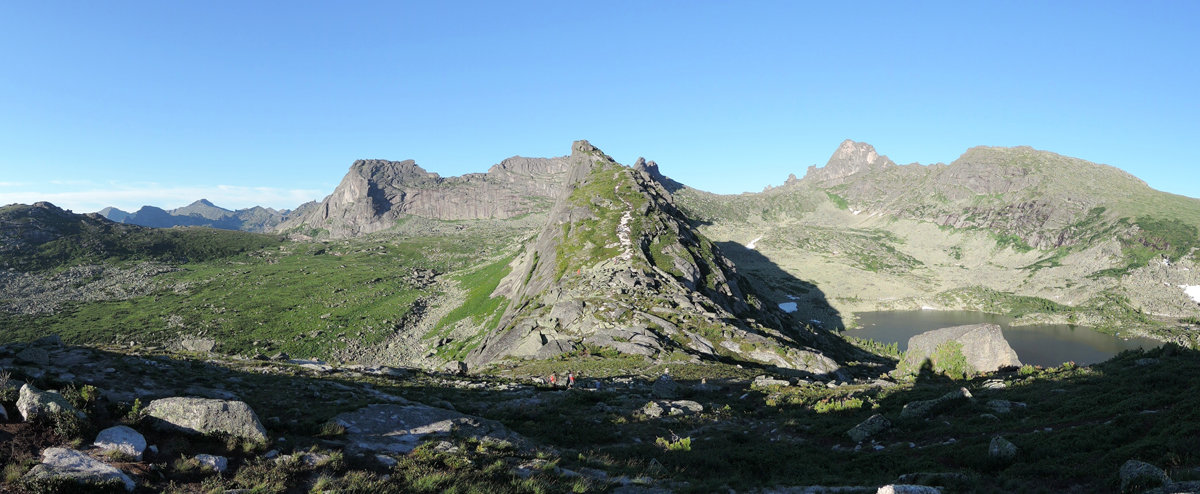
point(300, 298)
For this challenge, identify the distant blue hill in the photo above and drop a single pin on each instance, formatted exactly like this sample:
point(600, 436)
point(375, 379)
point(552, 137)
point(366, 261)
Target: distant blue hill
point(201, 213)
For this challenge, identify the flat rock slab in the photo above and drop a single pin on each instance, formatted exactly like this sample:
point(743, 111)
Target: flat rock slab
point(207, 416)
point(398, 429)
point(76, 466)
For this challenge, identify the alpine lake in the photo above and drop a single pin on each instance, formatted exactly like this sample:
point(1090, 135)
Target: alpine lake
point(1041, 344)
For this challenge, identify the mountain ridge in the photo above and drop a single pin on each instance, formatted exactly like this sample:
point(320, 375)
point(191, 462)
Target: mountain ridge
point(201, 212)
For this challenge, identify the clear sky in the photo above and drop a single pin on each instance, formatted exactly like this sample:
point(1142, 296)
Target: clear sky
point(164, 102)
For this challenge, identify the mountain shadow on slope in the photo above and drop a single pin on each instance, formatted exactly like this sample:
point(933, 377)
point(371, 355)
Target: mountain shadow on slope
point(779, 288)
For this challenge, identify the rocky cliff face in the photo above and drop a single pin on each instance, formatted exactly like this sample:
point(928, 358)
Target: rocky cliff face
point(374, 194)
point(617, 267)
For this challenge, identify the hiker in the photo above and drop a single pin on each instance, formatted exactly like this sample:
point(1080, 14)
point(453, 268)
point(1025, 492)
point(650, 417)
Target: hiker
point(553, 380)
point(570, 379)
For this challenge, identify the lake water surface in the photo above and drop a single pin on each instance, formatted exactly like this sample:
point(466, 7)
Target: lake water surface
point(1043, 344)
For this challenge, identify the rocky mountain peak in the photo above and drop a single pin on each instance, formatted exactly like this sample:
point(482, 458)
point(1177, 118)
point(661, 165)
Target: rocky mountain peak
point(202, 208)
point(390, 171)
point(850, 158)
point(651, 168)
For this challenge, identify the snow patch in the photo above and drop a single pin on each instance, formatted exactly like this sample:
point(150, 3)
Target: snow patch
point(856, 211)
point(926, 307)
point(791, 307)
point(753, 243)
point(1192, 291)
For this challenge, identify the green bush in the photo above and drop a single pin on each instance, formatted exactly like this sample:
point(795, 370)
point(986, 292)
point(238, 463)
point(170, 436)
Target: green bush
point(679, 444)
point(948, 360)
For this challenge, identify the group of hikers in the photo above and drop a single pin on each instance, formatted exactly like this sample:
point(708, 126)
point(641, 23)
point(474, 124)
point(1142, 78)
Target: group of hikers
point(569, 381)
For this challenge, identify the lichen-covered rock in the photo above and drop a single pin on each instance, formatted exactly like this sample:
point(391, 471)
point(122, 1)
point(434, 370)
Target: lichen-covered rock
point(983, 346)
point(921, 408)
point(1001, 449)
point(652, 410)
point(34, 403)
point(1004, 406)
point(218, 463)
point(122, 439)
point(59, 464)
point(398, 429)
point(874, 425)
point(35, 356)
point(908, 489)
point(664, 387)
point(1139, 475)
point(764, 381)
point(207, 416)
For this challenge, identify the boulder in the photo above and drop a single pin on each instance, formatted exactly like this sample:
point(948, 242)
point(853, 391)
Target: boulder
point(688, 406)
point(1001, 449)
point(764, 381)
point(652, 410)
point(122, 439)
point(35, 356)
point(983, 346)
point(207, 416)
point(656, 409)
point(218, 463)
point(874, 425)
point(59, 464)
point(456, 367)
point(398, 429)
point(908, 489)
point(922, 408)
point(1139, 475)
point(664, 387)
point(34, 403)
point(1003, 406)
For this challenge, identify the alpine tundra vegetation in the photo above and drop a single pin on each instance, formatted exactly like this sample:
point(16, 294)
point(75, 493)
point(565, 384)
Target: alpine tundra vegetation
point(401, 334)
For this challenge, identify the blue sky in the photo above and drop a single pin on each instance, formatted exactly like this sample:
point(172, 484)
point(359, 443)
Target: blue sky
point(244, 103)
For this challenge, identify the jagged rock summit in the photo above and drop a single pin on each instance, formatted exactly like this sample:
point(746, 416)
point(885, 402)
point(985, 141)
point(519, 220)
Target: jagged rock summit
point(374, 194)
point(850, 158)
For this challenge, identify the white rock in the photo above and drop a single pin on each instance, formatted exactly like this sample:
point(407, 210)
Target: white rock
point(908, 489)
point(218, 463)
point(77, 466)
point(122, 439)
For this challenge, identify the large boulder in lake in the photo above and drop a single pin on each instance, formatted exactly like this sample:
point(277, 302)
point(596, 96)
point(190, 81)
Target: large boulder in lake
point(62, 465)
point(207, 416)
point(982, 345)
